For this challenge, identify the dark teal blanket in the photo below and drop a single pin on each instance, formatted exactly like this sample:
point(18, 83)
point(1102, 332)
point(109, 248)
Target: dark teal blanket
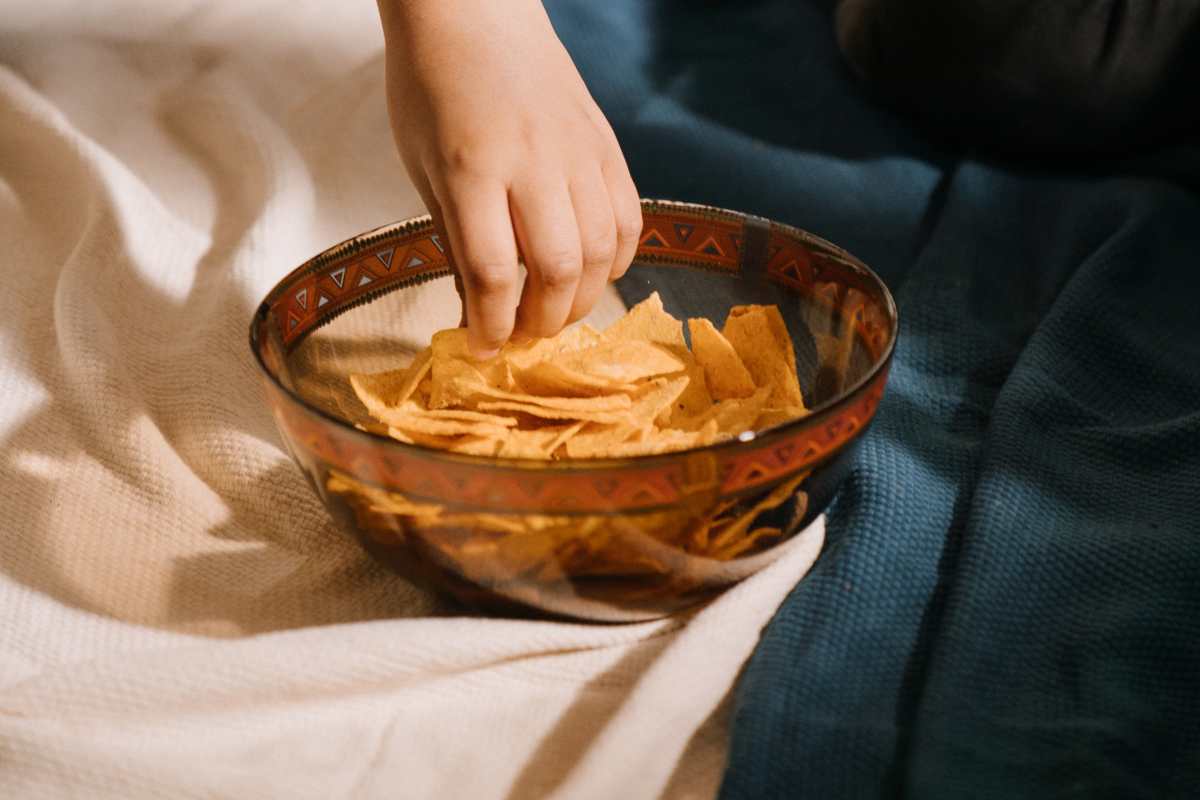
point(1009, 604)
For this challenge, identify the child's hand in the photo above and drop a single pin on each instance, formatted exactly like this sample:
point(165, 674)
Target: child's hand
point(511, 154)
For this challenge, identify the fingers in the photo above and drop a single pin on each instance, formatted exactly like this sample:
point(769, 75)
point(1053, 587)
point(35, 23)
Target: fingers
point(597, 240)
point(574, 235)
point(478, 223)
point(627, 214)
point(544, 220)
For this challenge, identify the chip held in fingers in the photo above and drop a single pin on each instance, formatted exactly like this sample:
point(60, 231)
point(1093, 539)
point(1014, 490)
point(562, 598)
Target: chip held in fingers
point(633, 389)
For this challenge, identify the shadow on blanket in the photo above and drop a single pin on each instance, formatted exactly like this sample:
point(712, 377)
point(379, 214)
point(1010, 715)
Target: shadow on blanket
point(151, 483)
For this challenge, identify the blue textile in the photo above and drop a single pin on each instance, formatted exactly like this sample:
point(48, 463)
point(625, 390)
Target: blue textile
point(1008, 605)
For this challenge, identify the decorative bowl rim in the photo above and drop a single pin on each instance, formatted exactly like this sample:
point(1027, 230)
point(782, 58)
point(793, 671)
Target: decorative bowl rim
point(759, 438)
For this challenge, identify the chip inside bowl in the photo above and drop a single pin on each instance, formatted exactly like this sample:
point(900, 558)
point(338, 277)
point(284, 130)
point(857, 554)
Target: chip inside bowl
point(633, 389)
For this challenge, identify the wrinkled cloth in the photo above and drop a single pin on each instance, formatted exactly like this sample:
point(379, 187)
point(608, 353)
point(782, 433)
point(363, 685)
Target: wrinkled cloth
point(178, 615)
point(1009, 604)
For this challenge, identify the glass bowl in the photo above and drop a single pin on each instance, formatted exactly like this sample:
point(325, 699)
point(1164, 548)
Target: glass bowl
point(608, 540)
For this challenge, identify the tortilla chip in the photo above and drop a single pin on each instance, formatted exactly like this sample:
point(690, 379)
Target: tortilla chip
point(576, 337)
point(451, 345)
point(759, 336)
point(634, 389)
point(649, 322)
point(423, 439)
point(615, 402)
point(659, 397)
point(381, 390)
point(455, 383)
point(538, 443)
point(663, 441)
point(565, 435)
point(477, 445)
point(544, 412)
point(724, 371)
point(623, 361)
point(594, 441)
point(380, 499)
point(693, 401)
point(735, 416)
point(773, 499)
point(460, 415)
point(549, 378)
point(372, 427)
point(737, 547)
point(415, 423)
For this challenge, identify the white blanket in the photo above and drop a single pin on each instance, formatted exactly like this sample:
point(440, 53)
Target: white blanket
point(178, 616)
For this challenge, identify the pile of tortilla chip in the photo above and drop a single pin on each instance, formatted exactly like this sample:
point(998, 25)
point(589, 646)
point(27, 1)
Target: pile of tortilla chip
point(675, 550)
point(633, 389)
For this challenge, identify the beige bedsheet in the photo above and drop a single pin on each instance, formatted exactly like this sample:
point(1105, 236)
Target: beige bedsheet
point(178, 617)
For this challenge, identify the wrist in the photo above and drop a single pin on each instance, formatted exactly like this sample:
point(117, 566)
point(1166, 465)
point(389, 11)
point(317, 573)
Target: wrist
point(404, 18)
